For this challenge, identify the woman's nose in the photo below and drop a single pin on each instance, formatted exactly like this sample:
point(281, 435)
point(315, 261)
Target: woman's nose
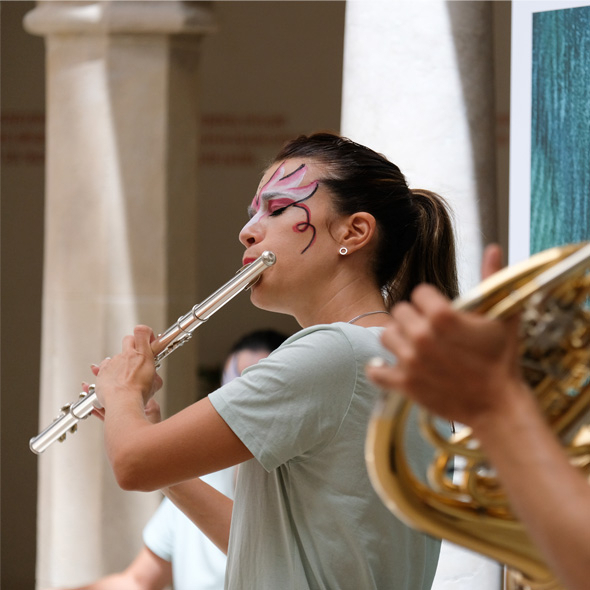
point(249, 234)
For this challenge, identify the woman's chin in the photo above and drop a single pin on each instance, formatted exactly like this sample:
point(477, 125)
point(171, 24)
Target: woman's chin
point(258, 299)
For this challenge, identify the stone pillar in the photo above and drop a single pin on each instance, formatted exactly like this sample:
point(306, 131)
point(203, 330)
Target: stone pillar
point(419, 87)
point(120, 214)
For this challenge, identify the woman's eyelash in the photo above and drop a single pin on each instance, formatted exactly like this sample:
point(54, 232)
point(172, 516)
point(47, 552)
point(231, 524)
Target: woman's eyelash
point(278, 211)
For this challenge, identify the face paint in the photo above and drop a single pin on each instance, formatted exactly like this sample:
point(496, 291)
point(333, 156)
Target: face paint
point(281, 192)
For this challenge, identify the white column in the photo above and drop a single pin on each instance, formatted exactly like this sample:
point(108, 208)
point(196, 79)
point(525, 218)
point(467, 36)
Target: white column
point(418, 87)
point(120, 196)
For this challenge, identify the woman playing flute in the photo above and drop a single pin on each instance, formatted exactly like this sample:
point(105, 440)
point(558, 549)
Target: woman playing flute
point(350, 239)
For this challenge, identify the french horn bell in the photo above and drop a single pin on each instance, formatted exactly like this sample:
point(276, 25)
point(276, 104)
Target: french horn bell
point(462, 500)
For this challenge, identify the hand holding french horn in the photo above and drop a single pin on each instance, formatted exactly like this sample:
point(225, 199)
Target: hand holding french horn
point(511, 360)
point(454, 363)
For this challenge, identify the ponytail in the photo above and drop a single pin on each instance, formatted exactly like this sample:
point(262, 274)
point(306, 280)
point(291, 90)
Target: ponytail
point(431, 258)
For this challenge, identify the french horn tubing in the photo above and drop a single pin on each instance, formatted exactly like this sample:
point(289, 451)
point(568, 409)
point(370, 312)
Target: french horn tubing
point(551, 291)
point(166, 343)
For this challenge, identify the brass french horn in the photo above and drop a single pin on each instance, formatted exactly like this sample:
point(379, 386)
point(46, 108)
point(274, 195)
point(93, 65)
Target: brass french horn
point(551, 291)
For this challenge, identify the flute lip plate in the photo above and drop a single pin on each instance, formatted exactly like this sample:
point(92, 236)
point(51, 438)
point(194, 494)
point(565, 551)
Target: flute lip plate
point(269, 257)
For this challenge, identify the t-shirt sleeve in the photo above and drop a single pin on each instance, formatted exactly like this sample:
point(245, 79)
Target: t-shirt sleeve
point(290, 405)
point(158, 532)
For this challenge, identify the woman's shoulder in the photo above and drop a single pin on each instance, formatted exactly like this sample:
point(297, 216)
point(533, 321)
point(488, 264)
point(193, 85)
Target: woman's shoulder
point(336, 339)
point(329, 350)
point(340, 330)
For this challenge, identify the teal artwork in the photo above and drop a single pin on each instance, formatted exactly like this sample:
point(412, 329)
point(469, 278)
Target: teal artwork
point(560, 128)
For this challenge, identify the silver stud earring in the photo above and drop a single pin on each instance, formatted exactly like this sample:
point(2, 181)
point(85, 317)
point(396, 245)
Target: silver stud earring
point(343, 251)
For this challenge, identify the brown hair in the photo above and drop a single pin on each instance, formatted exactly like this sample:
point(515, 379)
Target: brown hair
point(415, 236)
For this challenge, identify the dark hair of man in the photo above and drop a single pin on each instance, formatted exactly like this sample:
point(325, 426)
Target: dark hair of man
point(267, 339)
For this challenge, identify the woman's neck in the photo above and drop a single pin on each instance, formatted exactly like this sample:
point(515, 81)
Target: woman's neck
point(345, 305)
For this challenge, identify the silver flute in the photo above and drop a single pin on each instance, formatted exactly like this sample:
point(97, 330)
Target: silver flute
point(166, 343)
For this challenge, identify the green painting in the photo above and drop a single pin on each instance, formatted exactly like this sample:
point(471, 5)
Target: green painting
point(560, 128)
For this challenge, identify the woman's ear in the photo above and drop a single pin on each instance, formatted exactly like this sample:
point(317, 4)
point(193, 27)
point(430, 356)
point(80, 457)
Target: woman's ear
point(357, 231)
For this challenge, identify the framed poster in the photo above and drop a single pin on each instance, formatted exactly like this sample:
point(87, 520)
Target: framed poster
point(550, 126)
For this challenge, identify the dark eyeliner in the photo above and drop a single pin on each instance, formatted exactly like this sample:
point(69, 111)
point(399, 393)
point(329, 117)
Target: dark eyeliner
point(277, 212)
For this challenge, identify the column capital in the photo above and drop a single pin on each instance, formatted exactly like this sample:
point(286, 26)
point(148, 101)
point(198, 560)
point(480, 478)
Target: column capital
point(167, 17)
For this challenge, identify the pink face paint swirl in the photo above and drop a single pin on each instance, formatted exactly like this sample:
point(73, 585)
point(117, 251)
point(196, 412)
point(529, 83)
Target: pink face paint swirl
point(281, 192)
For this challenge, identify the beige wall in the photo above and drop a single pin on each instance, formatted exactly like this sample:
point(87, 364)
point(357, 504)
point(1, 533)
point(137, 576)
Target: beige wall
point(22, 257)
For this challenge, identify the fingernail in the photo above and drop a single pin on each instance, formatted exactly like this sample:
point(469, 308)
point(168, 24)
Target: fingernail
point(377, 362)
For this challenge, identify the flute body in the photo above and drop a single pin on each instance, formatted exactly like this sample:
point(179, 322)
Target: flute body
point(166, 343)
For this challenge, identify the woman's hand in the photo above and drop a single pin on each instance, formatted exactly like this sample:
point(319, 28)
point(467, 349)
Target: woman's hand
point(130, 372)
point(152, 409)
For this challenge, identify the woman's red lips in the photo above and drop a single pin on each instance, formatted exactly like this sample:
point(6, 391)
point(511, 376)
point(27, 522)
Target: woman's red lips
point(248, 261)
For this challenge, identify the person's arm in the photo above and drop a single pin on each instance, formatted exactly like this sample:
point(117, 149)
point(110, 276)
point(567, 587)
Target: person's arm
point(209, 509)
point(464, 367)
point(146, 572)
point(146, 456)
point(549, 495)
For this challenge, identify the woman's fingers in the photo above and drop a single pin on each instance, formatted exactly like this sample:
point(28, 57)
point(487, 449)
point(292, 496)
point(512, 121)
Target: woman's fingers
point(99, 413)
point(143, 336)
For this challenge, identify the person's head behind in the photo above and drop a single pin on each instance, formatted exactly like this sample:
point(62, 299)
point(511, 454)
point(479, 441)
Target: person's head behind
point(415, 240)
point(248, 350)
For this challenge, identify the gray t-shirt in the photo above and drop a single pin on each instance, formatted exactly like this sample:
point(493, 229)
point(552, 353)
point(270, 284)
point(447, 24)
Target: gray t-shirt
point(305, 513)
